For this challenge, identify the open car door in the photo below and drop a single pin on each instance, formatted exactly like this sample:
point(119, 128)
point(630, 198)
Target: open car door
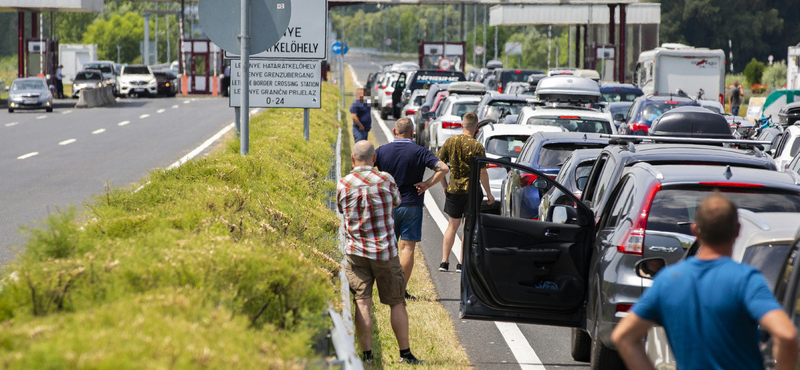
point(397, 95)
point(522, 270)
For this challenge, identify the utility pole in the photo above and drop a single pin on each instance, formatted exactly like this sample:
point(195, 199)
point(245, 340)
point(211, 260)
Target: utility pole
point(434, 25)
point(169, 52)
point(549, 43)
point(474, 33)
point(156, 48)
point(363, 16)
point(383, 42)
point(244, 34)
point(118, 50)
point(484, 36)
point(399, 27)
point(495, 42)
point(444, 29)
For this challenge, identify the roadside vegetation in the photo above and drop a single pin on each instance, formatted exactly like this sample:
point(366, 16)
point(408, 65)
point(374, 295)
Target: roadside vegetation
point(224, 262)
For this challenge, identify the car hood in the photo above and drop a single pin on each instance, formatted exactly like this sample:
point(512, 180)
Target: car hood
point(136, 77)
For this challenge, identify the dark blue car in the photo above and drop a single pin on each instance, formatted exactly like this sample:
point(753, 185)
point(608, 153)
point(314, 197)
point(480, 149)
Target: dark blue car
point(615, 92)
point(545, 152)
point(646, 109)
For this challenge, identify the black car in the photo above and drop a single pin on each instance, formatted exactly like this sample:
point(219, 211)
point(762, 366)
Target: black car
point(168, 83)
point(503, 76)
point(690, 121)
point(789, 114)
point(495, 105)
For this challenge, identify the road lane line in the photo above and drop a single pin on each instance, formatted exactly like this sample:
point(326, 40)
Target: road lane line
point(355, 78)
point(67, 111)
point(202, 147)
point(12, 124)
point(144, 116)
point(123, 123)
point(31, 154)
point(161, 110)
point(187, 101)
point(41, 117)
point(67, 142)
point(175, 106)
point(100, 131)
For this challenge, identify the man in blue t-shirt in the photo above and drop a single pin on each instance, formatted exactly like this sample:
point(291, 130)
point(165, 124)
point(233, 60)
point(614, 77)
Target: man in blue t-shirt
point(406, 162)
point(709, 305)
point(361, 114)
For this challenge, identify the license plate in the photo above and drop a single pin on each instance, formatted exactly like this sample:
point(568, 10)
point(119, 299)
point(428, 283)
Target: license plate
point(30, 101)
point(138, 90)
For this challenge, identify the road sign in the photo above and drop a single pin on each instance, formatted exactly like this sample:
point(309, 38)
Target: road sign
point(306, 36)
point(279, 83)
point(345, 49)
point(336, 48)
point(388, 42)
point(445, 64)
point(479, 50)
point(221, 21)
point(513, 48)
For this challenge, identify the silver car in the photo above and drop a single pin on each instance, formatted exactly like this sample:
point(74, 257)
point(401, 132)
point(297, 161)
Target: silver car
point(86, 79)
point(29, 93)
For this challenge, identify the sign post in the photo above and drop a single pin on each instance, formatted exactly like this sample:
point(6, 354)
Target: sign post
point(244, 38)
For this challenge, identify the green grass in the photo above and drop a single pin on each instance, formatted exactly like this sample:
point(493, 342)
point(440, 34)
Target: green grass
point(225, 262)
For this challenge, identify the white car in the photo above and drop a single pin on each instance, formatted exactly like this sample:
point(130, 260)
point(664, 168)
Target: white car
point(414, 104)
point(384, 97)
point(573, 119)
point(106, 67)
point(503, 141)
point(448, 120)
point(137, 80)
point(787, 148)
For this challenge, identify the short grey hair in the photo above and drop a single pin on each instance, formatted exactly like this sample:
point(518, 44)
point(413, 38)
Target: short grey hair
point(404, 127)
point(363, 151)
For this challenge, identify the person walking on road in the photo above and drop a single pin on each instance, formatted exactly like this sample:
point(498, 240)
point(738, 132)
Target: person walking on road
point(406, 162)
point(361, 112)
point(457, 152)
point(709, 305)
point(365, 198)
point(735, 95)
point(59, 82)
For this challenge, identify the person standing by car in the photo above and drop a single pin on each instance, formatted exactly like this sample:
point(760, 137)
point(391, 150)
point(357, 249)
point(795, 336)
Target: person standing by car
point(59, 82)
point(457, 153)
point(226, 79)
point(361, 114)
point(406, 162)
point(365, 198)
point(735, 95)
point(709, 305)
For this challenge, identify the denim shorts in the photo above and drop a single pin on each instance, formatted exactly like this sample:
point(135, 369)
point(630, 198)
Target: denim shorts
point(408, 223)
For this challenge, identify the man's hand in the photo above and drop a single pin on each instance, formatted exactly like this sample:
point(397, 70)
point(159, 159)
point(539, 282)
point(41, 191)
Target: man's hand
point(357, 122)
point(421, 187)
point(489, 199)
point(628, 337)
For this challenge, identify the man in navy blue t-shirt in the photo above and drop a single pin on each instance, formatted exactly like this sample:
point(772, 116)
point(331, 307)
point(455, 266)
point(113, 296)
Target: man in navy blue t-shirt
point(709, 305)
point(361, 113)
point(406, 162)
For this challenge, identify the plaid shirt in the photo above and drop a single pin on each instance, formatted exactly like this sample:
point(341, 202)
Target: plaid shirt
point(366, 198)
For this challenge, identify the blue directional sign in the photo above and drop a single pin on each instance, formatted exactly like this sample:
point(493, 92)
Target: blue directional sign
point(345, 49)
point(336, 48)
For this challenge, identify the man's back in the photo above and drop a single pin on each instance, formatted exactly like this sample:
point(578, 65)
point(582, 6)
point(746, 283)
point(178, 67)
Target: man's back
point(457, 152)
point(710, 312)
point(406, 162)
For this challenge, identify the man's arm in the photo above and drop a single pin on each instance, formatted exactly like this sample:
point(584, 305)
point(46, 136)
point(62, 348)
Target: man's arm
point(486, 188)
point(357, 121)
point(784, 338)
point(627, 336)
point(441, 171)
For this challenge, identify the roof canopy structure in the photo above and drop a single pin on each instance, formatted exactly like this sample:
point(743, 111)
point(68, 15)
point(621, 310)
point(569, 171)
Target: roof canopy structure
point(490, 2)
point(86, 6)
point(526, 15)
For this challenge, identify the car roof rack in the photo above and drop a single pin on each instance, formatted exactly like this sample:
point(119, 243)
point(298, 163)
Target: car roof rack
point(637, 139)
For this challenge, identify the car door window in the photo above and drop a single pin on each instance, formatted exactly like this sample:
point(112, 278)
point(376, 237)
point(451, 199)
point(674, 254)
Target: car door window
point(795, 147)
point(622, 203)
point(605, 181)
point(588, 194)
point(781, 144)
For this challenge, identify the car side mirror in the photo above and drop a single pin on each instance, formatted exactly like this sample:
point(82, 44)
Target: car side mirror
point(425, 109)
point(619, 117)
point(540, 184)
point(647, 268)
point(564, 215)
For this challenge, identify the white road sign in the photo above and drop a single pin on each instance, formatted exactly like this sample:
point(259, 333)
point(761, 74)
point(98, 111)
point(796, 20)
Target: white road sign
point(445, 64)
point(513, 48)
point(279, 83)
point(479, 50)
point(306, 36)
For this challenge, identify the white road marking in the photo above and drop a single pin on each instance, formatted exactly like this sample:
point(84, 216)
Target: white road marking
point(12, 124)
point(41, 117)
point(523, 352)
point(353, 73)
point(161, 110)
point(144, 116)
point(253, 111)
point(123, 123)
point(28, 155)
point(175, 106)
point(67, 142)
point(187, 101)
point(100, 131)
point(202, 147)
point(67, 111)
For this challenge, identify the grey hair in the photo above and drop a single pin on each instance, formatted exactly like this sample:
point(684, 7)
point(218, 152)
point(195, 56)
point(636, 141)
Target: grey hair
point(363, 151)
point(404, 126)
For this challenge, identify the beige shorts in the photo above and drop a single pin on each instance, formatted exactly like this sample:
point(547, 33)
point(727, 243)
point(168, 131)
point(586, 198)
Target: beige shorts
point(362, 272)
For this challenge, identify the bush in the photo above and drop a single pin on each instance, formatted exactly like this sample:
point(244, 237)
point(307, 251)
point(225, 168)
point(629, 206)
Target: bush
point(775, 75)
point(753, 72)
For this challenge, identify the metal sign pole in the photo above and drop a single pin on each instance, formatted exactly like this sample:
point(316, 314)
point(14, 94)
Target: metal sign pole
point(306, 124)
point(237, 120)
point(244, 36)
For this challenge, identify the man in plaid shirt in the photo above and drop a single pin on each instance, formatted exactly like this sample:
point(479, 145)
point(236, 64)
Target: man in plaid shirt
point(366, 198)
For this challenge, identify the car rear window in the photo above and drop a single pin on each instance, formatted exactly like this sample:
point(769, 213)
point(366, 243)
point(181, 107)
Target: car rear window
point(82, 76)
point(573, 124)
point(768, 258)
point(613, 97)
point(105, 68)
point(552, 155)
point(673, 209)
point(652, 111)
point(136, 71)
point(460, 109)
point(516, 76)
point(506, 146)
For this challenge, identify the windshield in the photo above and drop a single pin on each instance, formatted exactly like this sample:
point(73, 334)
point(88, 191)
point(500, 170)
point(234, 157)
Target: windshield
point(28, 85)
point(105, 68)
point(419, 100)
point(88, 76)
point(516, 76)
point(573, 124)
point(510, 107)
point(424, 79)
point(460, 109)
point(768, 258)
point(616, 96)
point(135, 71)
point(553, 155)
point(623, 110)
point(506, 146)
point(653, 111)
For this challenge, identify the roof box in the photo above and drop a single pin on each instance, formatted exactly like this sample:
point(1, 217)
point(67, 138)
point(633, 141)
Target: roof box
point(696, 122)
point(568, 89)
point(466, 88)
point(494, 64)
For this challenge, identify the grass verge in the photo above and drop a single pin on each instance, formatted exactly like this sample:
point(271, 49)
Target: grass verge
point(224, 262)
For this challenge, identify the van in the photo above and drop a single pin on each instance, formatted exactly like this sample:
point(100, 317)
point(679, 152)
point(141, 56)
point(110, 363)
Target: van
point(695, 71)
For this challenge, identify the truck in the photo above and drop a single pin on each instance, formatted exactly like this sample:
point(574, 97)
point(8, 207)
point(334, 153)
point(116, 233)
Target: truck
point(792, 66)
point(698, 72)
point(73, 57)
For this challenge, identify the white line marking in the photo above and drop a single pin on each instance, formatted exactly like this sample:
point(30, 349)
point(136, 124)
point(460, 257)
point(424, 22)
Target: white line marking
point(253, 111)
point(28, 155)
point(202, 147)
point(355, 78)
point(12, 124)
point(66, 112)
point(144, 116)
point(161, 110)
point(67, 142)
point(100, 131)
point(41, 117)
point(187, 101)
point(123, 123)
point(175, 106)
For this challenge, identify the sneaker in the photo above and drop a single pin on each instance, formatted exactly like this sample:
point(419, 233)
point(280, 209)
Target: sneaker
point(444, 266)
point(458, 267)
point(411, 297)
point(367, 359)
point(411, 360)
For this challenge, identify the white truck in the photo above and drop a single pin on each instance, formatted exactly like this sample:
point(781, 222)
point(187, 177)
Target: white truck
point(670, 67)
point(73, 57)
point(792, 66)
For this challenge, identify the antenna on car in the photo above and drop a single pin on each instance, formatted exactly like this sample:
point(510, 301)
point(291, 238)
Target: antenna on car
point(728, 173)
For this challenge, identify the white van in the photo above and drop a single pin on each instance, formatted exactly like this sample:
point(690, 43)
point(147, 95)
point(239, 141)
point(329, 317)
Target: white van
point(671, 67)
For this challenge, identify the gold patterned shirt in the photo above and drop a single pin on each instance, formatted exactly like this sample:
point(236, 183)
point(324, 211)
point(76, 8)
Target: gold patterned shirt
point(457, 152)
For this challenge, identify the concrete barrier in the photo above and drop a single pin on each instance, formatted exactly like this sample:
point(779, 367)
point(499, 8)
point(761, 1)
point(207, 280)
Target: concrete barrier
point(98, 97)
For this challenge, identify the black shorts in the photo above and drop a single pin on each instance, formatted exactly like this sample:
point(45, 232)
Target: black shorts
point(454, 204)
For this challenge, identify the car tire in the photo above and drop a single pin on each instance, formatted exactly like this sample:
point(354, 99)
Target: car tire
point(49, 110)
point(581, 345)
point(602, 357)
point(384, 115)
point(10, 110)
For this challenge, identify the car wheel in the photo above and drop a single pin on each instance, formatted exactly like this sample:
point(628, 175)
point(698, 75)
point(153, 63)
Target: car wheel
point(384, 115)
point(581, 345)
point(602, 357)
point(49, 110)
point(10, 110)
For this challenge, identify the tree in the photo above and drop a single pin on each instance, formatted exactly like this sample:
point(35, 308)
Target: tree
point(128, 29)
point(754, 71)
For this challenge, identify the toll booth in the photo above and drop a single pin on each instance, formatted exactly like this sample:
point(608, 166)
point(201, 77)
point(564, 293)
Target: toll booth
point(41, 59)
point(202, 65)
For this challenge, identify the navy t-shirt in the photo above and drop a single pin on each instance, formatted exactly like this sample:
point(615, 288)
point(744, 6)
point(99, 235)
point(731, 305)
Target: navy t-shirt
point(710, 312)
point(363, 111)
point(406, 162)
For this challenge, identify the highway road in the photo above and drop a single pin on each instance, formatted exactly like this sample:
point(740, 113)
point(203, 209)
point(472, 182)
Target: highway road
point(57, 159)
point(489, 345)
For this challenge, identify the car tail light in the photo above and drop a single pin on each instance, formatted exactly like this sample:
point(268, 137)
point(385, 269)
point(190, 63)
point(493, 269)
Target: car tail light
point(731, 184)
point(633, 242)
point(387, 93)
point(635, 126)
point(569, 117)
point(526, 179)
point(721, 99)
point(624, 307)
point(410, 112)
point(492, 165)
point(518, 71)
point(500, 89)
point(670, 102)
point(451, 124)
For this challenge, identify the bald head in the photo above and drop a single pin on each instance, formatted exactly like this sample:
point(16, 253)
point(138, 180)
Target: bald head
point(717, 221)
point(404, 128)
point(363, 153)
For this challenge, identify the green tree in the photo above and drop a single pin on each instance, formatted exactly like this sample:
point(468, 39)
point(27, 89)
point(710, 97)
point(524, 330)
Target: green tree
point(775, 75)
point(128, 29)
point(754, 71)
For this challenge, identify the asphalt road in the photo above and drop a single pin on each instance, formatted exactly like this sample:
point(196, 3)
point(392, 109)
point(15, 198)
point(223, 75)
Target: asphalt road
point(78, 152)
point(489, 345)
